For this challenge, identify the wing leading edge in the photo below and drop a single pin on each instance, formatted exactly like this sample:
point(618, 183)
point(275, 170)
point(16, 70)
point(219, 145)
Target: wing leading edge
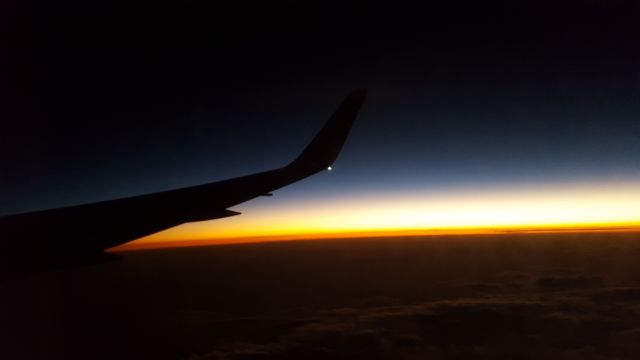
point(80, 234)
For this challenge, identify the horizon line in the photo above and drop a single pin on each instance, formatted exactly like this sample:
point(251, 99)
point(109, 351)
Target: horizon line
point(150, 245)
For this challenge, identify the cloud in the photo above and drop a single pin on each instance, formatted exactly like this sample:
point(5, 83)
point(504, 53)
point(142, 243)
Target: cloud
point(568, 282)
point(549, 325)
point(617, 294)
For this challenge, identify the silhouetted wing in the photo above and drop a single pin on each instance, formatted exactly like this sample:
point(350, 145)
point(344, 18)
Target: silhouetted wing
point(79, 234)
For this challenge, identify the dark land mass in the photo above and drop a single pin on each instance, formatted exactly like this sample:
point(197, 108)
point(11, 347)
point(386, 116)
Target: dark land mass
point(512, 296)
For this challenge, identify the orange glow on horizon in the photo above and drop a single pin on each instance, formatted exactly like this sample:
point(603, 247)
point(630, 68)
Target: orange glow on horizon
point(136, 245)
point(587, 207)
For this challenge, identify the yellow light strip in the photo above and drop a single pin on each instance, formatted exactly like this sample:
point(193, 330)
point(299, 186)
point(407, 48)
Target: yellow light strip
point(590, 206)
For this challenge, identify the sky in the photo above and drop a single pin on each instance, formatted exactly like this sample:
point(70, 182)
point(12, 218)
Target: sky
point(491, 115)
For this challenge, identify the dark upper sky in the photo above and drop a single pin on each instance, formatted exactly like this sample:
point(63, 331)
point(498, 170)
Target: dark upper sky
point(108, 99)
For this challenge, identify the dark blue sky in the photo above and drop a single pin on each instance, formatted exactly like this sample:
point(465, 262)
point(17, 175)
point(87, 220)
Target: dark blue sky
point(114, 99)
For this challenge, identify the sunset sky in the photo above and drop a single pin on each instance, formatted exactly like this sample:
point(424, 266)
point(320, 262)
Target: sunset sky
point(485, 204)
point(477, 120)
point(559, 207)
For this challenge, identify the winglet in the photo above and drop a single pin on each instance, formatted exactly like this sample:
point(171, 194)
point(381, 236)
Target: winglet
point(325, 147)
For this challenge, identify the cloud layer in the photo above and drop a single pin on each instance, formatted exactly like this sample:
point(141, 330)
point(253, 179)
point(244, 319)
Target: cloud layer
point(559, 317)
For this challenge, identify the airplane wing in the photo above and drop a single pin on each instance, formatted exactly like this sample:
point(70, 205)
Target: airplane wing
point(80, 234)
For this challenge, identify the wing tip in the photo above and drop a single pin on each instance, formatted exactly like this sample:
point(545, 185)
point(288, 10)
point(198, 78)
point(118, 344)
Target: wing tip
point(359, 93)
point(323, 150)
